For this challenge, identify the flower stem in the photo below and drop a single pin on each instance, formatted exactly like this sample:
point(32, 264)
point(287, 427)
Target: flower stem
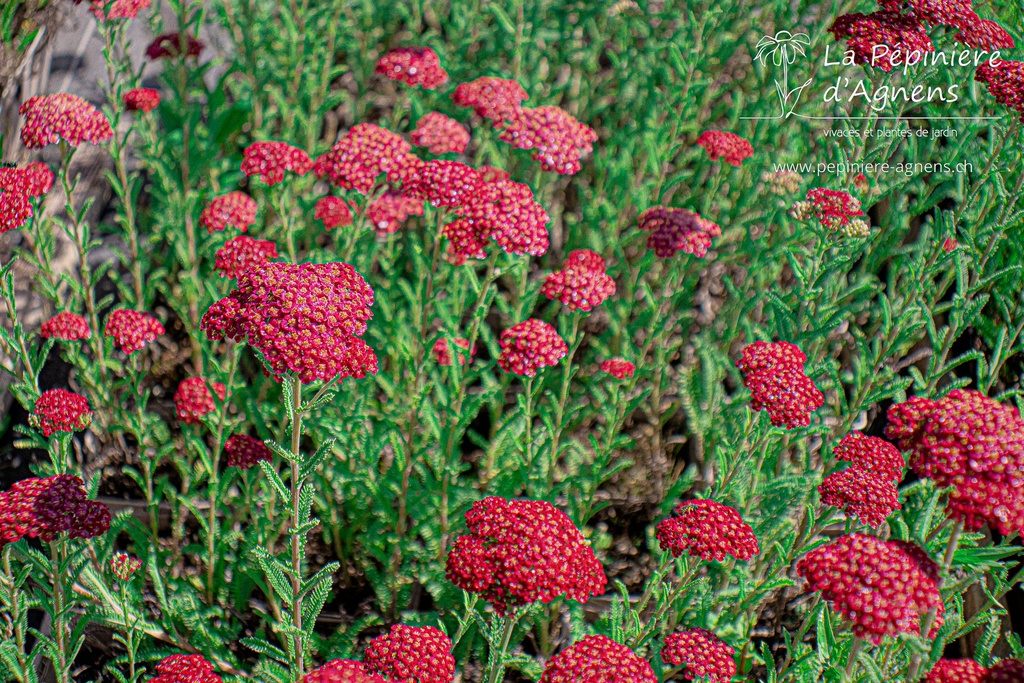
point(296, 491)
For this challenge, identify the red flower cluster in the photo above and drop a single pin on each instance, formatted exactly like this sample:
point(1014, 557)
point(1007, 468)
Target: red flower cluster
point(15, 207)
point(974, 31)
point(443, 351)
point(415, 66)
point(834, 209)
point(141, 99)
point(444, 183)
point(131, 330)
point(185, 669)
point(956, 671)
point(597, 659)
point(270, 159)
point(986, 35)
point(707, 529)
point(303, 318)
point(47, 507)
point(60, 410)
point(865, 32)
point(582, 284)
point(333, 211)
point(341, 671)
point(675, 230)
point(557, 138)
point(1005, 671)
point(124, 565)
point(358, 159)
point(440, 134)
point(51, 118)
point(118, 9)
point(619, 368)
point(705, 655)
point(725, 145)
point(235, 208)
point(169, 45)
point(492, 174)
point(244, 451)
point(970, 442)
point(34, 180)
point(496, 99)
point(193, 399)
point(866, 495)
point(504, 211)
point(241, 253)
point(529, 346)
point(883, 587)
point(1005, 82)
point(774, 374)
point(66, 326)
point(871, 453)
point(389, 211)
point(519, 552)
point(411, 654)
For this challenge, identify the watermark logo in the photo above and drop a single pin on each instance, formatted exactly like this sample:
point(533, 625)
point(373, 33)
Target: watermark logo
point(783, 49)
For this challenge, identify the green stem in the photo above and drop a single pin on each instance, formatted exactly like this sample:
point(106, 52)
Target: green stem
point(296, 491)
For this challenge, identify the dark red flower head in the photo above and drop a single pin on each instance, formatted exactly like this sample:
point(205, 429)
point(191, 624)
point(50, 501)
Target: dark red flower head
point(705, 655)
point(492, 98)
point(867, 34)
point(878, 585)
point(193, 399)
point(1005, 671)
point(975, 445)
point(33, 180)
point(707, 529)
point(59, 410)
point(867, 495)
point(833, 208)
point(557, 139)
point(124, 565)
point(504, 211)
point(619, 368)
point(415, 66)
point(443, 351)
point(62, 116)
point(241, 253)
point(236, 209)
point(445, 183)
point(131, 330)
point(117, 9)
point(582, 284)
point(956, 671)
point(141, 99)
point(342, 671)
point(169, 45)
point(361, 156)
point(725, 145)
point(871, 453)
point(389, 211)
point(986, 35)
point(270, 159)
point(244, 451)
point(411, 654)
point(185, 669)
point(774, 374)
point(675, 230)
point(333, 211)
point(15, 209)
point(597, 659)
point(66, 326)
point(47, 507)
point(529, 346)
point(1005, 82)
point(303, 318)
point(440, 134)
point(956, 13)
point(519, 552)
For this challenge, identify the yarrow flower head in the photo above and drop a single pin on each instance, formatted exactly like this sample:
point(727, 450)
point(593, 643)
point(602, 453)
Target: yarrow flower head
point(709, 530)
point(333, 211)
point(141, 99)
point(124, 565)
point(504, 211)
point(557, 138)
point(342, 671)
point(774, 374)
point(47, 507)
point(235, 209)
point(1005, 82)
point(66, 326)
point(38, 178)
point(956, 671)
point(834, 209)
point(361, 156)
point(972, 443)
point(411, 654)
point(619, 368)
point(303, 318)
point(390, 210)
point(193, 399)
point(440, 134)
point(530, 346)
point(866, 34)
point(597, 659)
point(705, 655)
point(985, 35)
point(270, 159)
point(861, 493)
point(445, 183)
point(241, 253)
point(1007, 670)
point(880, 586)
point(415, 66)
point(244, 451)
point(491, 98)
point(519, 552)
point(443, 351)
point(721, 144)
point(185, 669)
point(62, 116)
point(118, 9)
point(60, 410)
point(15, 206)
point(676, 230)
point(949, 245)
point(131, 330)
point(582, 284)
point(871, 453)
point(169, 45)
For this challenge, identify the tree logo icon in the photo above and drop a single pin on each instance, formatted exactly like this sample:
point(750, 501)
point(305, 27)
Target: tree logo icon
point(782, 49)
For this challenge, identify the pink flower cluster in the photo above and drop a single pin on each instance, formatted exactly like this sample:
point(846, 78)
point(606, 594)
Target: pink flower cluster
point(244, 451)
point(270, 159)
point(131, 330)
point(705, 655)
point(557, 139)
point(389, 211)
point(504, 211)
point(66, 326)
point(619, 368)
point(193, 399)
point(956, 671)
point(333, 211)
point(774, 374)
point(61, 116)
point(676, 230)
point(106, 10)
point(47, 507)
point(342, 671)
point(411, 654)
point(60, 410)
point(361, 156)
point(582, 284)
point(720, 144)
point(17, 188)
point(530, 346)
point(443, 351)
point(867, 489)
point(708, 530)
point(185, 669)
point(865, 34)
point(496, 99)
point(974, 31)
point(141, 99)
point(1005, 82)
point(242, 253)
point(235, 209)
point(440, 134)
point(415, 66)
point(597, 659)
